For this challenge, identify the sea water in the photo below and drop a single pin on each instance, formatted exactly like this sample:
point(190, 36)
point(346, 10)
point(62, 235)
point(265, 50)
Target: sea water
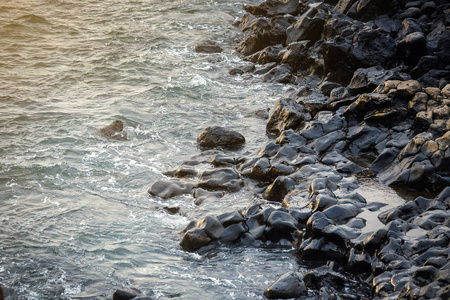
point(76, 221)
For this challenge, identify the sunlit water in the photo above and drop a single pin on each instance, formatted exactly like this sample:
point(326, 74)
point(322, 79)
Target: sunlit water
point(76, 221)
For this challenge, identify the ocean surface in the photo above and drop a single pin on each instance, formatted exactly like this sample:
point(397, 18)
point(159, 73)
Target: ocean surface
point(76, 221)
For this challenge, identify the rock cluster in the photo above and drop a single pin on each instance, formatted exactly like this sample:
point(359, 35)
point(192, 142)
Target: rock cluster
point(370, 98)
point(333, 39)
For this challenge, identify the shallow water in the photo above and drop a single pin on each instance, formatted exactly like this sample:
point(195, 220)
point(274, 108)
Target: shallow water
point(75, 219)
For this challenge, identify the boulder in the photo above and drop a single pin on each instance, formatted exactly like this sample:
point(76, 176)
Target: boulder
point(233, 233)
point(217, 136)
point(321, 250)
point(296, 56)
point(278, 189)
point(195, 239)
point(211, 226)
point(287, 114)
point(220, 179)
point(200, 195)
point(367, 79)
point(208, 47)
point(261, 32)
point(271, 8)
point(306, 28)
point(289, 285)
point(280, 74)
point(169, 189)
point(280, 225)
point(266, 55)
point(340, 213)
point(114, 131)
point(366, 103)
point(369, 9)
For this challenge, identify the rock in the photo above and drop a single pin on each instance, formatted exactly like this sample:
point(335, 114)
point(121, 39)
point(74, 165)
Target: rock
point(172, 210)
point(220, 179)
point(327, 87)
point(208, 47)
point(231, 218)
point(170, 189)
point(184, 172)
point(372, 47)
point(289, 285)
point(321, 202)
point(194, 239)
point(384, 159)
point(296, 56)
point(367, 79)
point(359, 263)
point(201, 195)
point(271, 8)
point(287, 114)
point(386, 117)
point(446, 91)
point(388, 24)
point(411, 12)
point(261, 70)
point(122, 294)
point(369, 9)
point(280, 74)
point(425, 64)
point(314, 102)
point(341, 212)
point(220, 137)
point(267, 55)
point(321, 250)
point(278, 189)
point(261, 32)
point(407, 89)
point(233, 233)
point(211, 226)
point(323, 143)
point(317, 222)
point(306, 28)
point(366, 103)
point(280, 225)
point(114, 131)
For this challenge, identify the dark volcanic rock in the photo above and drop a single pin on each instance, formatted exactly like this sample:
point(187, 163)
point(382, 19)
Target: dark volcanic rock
point(278, 189)
point(280, 74)
point(194, 239)
point(321, 250)
point(212, 227)
point(220, 179)
point(220, 137)
point(270, 8)
point(296, 56)
point(366, 80)
point(169, 189)
point(287, 114)
point(114, 131)
point(306, 28)
point(208, 47)
point(261, 32)
point(122, 294)
point(287, 286)
point(233, 233)
point(280, 225)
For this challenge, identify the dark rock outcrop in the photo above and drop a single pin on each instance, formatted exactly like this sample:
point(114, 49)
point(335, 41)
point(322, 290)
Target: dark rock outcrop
point(114, 131)
point(220, 137)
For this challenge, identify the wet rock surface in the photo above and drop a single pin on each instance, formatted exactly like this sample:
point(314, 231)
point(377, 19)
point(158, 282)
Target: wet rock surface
point(220, 137)
point(370, 98)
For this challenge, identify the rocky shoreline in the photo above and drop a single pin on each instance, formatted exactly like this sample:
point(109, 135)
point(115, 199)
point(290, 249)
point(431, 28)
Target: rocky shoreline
point(371, 100)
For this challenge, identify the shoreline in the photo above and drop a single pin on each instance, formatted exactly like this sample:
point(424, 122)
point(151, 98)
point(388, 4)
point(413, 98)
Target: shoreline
point(371, 101)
